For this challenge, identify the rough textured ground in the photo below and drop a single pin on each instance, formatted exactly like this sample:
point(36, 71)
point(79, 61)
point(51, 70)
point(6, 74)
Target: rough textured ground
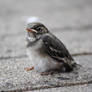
point(69, 20)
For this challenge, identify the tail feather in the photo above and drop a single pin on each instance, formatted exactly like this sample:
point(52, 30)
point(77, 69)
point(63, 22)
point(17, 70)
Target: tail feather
point(70, 66)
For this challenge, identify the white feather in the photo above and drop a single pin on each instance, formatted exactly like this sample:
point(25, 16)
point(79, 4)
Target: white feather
point(41, 62)
point(32, 19)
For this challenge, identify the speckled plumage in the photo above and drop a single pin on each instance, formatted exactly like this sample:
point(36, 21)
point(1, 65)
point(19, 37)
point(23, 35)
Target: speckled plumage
point(46, 51)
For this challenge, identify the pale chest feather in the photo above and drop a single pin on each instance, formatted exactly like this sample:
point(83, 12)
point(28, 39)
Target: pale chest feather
point(40, 60)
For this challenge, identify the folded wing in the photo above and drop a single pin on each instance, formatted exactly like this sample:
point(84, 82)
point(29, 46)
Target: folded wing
point(56, 50)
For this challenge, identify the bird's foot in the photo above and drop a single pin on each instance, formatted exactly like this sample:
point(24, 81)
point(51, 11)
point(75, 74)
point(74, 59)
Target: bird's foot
point(47, 73)
point(29, 68)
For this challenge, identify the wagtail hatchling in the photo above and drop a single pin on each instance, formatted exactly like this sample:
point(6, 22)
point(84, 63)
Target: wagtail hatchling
point(46, 51)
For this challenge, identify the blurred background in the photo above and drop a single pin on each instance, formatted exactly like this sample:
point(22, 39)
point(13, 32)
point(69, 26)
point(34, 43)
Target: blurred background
point(70, 20)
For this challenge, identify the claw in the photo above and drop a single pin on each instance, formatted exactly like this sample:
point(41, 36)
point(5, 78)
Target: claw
point(29, 68)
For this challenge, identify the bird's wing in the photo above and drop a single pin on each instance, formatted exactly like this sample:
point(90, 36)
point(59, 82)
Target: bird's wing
point(56, 49)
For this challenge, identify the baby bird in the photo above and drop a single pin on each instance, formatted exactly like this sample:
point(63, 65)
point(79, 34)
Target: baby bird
point(46, 51)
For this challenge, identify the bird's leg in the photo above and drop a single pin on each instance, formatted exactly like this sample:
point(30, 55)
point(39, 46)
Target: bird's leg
point(29, 68)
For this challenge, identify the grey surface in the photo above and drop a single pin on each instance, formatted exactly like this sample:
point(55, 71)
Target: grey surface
point(61, 13)
point(69, 20)
point(15, 77)
point(82, 88)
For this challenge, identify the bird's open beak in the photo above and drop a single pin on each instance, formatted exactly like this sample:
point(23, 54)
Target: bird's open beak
point(31, 30)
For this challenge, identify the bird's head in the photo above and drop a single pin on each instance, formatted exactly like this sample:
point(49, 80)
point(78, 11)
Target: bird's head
point(35, 31)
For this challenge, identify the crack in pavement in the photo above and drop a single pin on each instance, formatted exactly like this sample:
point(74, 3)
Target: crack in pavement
point(82, 54)
point(71, 28)
point(52, 86)
point(24, 56)
point(13, 57)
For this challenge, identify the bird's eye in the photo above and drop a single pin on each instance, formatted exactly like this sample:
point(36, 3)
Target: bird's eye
point(39, 29)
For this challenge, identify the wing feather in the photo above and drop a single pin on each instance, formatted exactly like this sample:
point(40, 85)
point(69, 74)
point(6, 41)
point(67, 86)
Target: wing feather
point(56, 49)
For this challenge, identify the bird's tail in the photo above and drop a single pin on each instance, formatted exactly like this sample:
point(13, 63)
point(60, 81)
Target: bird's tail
point(72, 65)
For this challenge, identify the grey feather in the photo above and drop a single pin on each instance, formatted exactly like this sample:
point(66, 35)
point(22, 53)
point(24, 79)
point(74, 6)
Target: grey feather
point(56, 49)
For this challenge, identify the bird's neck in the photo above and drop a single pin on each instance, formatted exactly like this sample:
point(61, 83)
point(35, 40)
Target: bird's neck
point(32, 43)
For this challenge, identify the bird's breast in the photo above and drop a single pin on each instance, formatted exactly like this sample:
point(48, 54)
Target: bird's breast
point(39, 59)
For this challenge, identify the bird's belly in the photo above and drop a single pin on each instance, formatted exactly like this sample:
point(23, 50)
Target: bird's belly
point(41, 62)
